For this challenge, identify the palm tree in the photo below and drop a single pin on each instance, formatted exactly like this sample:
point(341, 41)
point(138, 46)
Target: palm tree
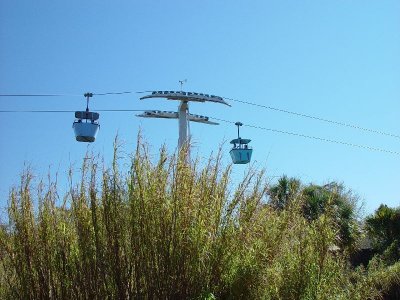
point(285, 191)
point(383, 228)
point(333, 198)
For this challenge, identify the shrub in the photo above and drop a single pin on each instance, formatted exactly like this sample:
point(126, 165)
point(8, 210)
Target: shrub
point(169, 229)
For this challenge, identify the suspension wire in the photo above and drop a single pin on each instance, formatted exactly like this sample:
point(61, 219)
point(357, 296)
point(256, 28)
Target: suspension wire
point(314, 137)
point(225, 121)
point(231, 99)
point(69, 111)
point(315, 118)
point(73, 95)
point(40, 95)
point(120, 93)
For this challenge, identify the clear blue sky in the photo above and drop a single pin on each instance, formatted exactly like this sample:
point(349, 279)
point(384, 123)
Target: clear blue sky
point(333, 59)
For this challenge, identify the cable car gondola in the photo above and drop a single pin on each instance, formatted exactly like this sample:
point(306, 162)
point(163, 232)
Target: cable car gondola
point(240, 153)
point(86, 124)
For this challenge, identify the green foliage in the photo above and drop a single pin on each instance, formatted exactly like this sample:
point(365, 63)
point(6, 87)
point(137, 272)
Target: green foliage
point(282, 193)
point(169, 230)
point(340, 203)
point(385, 278)
point(383, 228)
point(316, 200)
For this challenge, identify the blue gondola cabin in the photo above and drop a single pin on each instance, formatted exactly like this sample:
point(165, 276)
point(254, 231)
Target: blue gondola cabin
point(86, 126)
point(241, 153)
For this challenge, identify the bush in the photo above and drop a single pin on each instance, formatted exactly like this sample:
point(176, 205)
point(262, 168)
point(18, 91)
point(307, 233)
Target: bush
point(383, 229)
point(168, 230)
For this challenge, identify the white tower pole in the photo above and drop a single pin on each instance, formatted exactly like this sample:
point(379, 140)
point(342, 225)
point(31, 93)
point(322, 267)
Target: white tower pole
point(182, 115)
point(183, 124)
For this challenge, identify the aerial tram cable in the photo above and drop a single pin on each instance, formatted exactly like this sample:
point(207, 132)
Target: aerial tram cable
point(73, 95)
point(207, 120)
point(120, 93)
point(329, 121)
point(40, 95)
point(314, 137)
point(316, 118)
point(68, 111)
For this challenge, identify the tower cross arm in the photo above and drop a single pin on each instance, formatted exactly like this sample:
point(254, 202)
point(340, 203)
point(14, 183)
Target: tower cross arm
point(186, 96)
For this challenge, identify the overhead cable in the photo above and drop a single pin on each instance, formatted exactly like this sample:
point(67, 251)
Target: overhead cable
point(39, 95)
point(226, 121)
point(68, 111)
point(315, 118)
point(314, 137)
point(120, 93)
point(72, 95)
point(231, 99)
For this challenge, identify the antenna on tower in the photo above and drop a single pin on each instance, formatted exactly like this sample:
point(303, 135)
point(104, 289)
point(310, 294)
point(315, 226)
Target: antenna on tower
point(182, 82)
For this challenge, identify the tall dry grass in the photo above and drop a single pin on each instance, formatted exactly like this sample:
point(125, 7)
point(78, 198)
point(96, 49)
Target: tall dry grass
point(168, 229)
